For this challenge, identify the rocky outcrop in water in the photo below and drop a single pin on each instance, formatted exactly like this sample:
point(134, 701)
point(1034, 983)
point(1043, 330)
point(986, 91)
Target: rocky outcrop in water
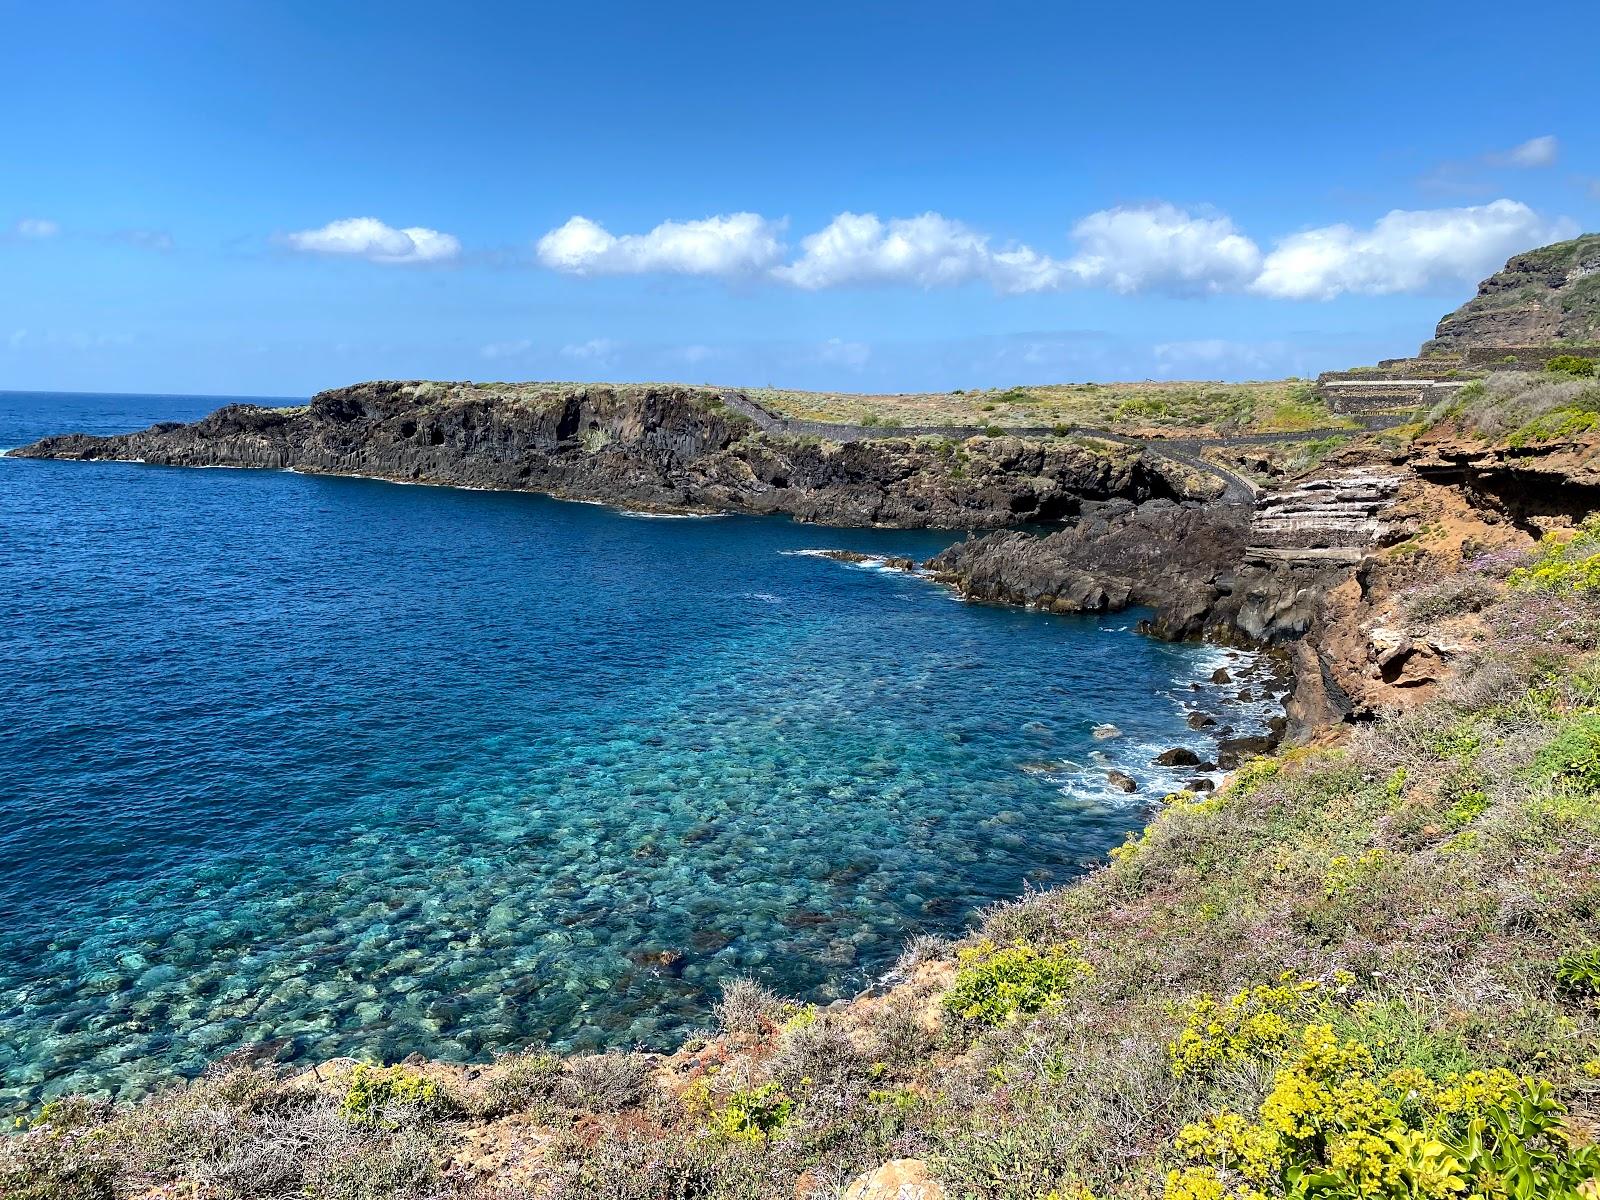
point(656, 447)
point(1263, 574)
point(1164, 555)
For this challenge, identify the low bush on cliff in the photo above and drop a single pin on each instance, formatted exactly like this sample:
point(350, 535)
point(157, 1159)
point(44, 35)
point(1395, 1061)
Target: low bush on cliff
point(1521, 407)
point(995, 984)
point(1566, 561)
point(1571, 364)
point(1453, 596)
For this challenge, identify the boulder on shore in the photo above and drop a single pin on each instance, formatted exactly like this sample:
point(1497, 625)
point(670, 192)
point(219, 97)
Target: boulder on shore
point(1178, 756)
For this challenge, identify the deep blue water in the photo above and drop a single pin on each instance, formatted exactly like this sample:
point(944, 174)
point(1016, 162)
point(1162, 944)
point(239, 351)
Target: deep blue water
point(363, 768)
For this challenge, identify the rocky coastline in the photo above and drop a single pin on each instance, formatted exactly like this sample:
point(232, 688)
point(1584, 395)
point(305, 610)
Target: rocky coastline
point(1136, 524)
point(668, 448)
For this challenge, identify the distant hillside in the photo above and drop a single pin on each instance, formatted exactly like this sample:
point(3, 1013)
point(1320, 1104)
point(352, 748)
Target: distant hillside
point(1547, 295)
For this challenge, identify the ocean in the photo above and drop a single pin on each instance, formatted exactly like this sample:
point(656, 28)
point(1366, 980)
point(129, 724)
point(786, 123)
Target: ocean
point(335, 766)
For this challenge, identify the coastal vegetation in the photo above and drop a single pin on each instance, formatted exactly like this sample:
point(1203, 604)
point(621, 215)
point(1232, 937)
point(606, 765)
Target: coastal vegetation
point(1163, 407)
point(1522, 407)
point(1364, 968)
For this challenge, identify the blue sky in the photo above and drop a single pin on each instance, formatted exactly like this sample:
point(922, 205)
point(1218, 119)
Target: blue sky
point(276, 198)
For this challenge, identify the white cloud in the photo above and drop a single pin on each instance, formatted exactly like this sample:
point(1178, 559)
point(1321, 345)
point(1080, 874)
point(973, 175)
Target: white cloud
point(840, 353)
point(737, 244)
point(511, 349)
point(696, 353)
point(927, 251)
point(1535, 152)
point(1404, 251)
point(1153, 248)
point(1218, 357)
point(36, 228)
point(371, 239)
point(146, 239)
point(600, 350)
point(1162, 248)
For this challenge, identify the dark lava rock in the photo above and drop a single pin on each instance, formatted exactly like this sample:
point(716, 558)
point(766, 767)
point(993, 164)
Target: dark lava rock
point(1539, 297)
point(1178, 756)
point(1234, 751)
point(1160, 554)
point(855, 556)
point(1122, 780)
point(659, 447)
point(1199, 720)
point(1199, 785)
point(1220, 675)
point(1246, 694)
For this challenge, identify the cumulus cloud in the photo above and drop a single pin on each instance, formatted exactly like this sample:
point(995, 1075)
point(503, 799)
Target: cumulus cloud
point(371, 239)
point(926, 251)
point(1151, 248)
point(1162, 248)
point(36, 228)
point(511, 349)
point(594, 350)
point(736, 244)
point(1535, 152)
point(1404, 251)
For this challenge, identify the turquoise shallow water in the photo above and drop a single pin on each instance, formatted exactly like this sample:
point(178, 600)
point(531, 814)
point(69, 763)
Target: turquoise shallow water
point(348, 767)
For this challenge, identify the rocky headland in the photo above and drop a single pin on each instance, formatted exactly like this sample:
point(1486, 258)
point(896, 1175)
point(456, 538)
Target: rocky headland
point(663, 447)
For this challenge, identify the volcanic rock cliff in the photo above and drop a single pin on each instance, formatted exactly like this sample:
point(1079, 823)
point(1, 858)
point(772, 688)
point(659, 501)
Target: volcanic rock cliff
point(1547, 295)
point(661, 447)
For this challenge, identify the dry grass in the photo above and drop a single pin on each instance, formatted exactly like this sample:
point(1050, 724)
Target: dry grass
point(1161, 407)
point(1522, 406)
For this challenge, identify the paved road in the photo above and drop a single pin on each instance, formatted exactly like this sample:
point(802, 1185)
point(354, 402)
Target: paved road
point(1188, 451)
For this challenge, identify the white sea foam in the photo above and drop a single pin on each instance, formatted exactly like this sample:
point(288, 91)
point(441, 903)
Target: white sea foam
point(645, 515)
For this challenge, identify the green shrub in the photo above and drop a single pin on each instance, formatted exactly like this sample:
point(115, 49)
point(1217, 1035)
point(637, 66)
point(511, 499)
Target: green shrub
point(1252, 1023)
point(1573, 756)
point(1570, 364)
point(61, 1155)
point(1578, 972)
point(993, 431)
point(374, 1089)
point(995, 985)
point(1336, 1127)
point(752, 1114)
